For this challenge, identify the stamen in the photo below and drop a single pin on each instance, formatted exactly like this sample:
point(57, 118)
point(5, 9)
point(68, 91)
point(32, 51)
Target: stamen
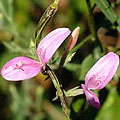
point(20, 63)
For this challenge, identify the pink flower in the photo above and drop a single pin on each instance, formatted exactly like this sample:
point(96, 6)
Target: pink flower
point(99, 76)
point(22, 68)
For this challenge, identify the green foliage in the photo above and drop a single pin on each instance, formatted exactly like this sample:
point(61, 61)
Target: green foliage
point(27, 99)
point(77, 105)
point(73, 67)
point(81, 6)
point(107, 9)
point(6, 9)
point(86, 65)
point(43, 4)
point(17, 105)
point(117, 75)
point(69, 58)
point(110, 110)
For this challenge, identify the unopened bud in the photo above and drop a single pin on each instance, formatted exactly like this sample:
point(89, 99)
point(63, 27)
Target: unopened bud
point(73, 38)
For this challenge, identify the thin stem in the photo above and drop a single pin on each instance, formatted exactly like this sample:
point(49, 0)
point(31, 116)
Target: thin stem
point(46, 17)
point(59, 91)
point(78, 46)
point(56, 2)
point(91, 19)
point(92, 25)
point(66, 52)
point(62, 61)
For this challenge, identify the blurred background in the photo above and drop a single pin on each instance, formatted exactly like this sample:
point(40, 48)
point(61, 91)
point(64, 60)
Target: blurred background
point(99, 33)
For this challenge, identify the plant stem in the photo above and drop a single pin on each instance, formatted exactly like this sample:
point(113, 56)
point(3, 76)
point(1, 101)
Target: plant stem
point(56, 2)
point(59, 91)
point(66, 52)
point(62, 61)
point(92, 25)
point(46, 17)
point(79, 45)
point(91, 19)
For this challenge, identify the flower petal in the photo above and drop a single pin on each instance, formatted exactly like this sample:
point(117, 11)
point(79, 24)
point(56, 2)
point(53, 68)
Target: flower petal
point(91, 97)
point(20, 68)
point(102, 72)
point(51, 42)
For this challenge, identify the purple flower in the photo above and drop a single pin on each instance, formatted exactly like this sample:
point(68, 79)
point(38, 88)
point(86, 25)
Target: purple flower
point(99, 76)
point(22, 68)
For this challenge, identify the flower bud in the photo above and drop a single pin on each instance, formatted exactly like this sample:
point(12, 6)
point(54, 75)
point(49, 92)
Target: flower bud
point(73, 38)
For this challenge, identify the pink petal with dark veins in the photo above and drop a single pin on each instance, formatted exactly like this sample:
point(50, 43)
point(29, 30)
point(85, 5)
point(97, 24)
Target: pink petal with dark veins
point(20, 68)
point(102, 72)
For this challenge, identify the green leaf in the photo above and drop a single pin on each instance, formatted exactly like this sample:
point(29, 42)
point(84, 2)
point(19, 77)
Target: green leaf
point(73, 67)
point(74, 92)
point(7, 22)
point(20, 103)
point(117, 74)
point(69, 58)
point(86, 65)
point(106, 9)
point(81, 6)
point(39, 116)
point(111, 108)
point(77, 105)
point(7, 9)
point(39, 97)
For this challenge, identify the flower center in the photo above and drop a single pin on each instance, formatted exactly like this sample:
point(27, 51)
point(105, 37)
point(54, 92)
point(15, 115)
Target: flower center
point(42, 56)
point(19, 65)
point(94, 81)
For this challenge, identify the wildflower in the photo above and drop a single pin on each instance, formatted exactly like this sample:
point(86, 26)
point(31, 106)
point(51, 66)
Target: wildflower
point(22, 68)
point(99, 76)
